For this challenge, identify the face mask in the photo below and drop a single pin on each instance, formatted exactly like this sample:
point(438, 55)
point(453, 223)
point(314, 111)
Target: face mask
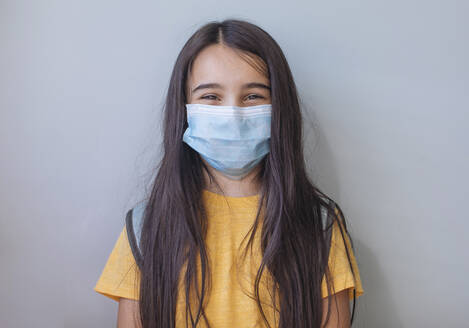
point(232, 139)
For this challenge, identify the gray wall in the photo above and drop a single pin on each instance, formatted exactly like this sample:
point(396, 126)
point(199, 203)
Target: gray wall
point(384, 85)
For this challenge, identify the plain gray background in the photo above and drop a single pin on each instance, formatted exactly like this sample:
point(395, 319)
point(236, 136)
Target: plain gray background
point(384, 86)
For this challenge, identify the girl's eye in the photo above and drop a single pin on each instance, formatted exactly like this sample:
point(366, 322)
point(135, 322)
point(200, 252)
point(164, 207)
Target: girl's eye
point(255, 97)
point(208, 97)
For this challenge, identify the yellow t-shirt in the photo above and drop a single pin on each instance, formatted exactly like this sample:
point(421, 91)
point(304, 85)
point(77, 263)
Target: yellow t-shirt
point(229, 221)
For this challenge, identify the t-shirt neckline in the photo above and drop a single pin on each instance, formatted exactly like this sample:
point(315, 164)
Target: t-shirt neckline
point(231, 198)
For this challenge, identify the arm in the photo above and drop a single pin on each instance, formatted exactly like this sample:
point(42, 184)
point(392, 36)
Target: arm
point(128, 314)
point(339, 316)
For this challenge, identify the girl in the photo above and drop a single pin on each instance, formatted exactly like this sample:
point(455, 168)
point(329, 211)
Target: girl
point(234, 233)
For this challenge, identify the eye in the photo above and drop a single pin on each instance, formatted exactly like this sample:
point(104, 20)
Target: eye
point(208, 97)
point(254, 96)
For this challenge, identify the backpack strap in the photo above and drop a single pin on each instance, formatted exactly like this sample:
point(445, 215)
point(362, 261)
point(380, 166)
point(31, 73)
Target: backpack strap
point(326, 219)
point(133, 224)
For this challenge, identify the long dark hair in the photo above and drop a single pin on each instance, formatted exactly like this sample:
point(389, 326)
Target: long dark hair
point(294, 243)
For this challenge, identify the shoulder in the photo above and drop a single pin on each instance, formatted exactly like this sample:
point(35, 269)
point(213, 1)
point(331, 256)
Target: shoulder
point(120, 272)
point(342, 261)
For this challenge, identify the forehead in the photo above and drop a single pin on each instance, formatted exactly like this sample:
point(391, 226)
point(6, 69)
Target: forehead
point(229, 67)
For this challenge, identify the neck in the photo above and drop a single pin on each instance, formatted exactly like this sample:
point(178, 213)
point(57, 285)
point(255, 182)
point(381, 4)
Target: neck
point(247, 186)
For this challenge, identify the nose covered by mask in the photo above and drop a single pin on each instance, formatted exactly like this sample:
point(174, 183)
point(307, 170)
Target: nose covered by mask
point(232, 139)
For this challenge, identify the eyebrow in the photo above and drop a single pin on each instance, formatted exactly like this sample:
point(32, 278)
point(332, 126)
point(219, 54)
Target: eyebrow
point(249, 85)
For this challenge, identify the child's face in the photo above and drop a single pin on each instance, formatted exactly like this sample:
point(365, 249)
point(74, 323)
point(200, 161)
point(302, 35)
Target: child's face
point(220, 76)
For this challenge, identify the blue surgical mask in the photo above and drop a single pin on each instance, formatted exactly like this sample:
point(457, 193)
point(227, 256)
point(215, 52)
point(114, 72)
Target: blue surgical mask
point(232, 139)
